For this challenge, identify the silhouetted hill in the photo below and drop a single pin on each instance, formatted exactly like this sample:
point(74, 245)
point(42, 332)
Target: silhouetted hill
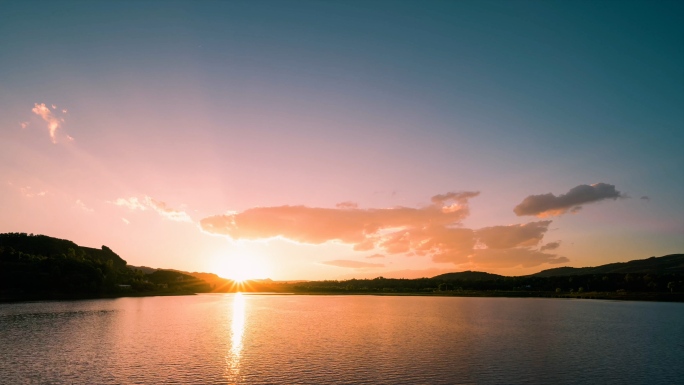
point(38, 266)
point(54, 247)
point(144, 269)
point(667, 264)
point(468, 276)
point(41, 267)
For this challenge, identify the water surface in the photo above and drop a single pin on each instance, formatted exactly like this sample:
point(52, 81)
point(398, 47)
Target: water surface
point(266, 339)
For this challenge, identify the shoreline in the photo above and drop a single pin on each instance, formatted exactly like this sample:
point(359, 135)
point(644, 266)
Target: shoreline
point(625, 296)
point(636, 296)
point(39, 298)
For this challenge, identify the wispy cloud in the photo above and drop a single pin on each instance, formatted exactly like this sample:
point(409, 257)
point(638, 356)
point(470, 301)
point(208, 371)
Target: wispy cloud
point(546, 205)
point(24, 124)
point(352, 264)
point(79, 204)
point(27, 191)
point(550, 246)
point(133, 203)
point(435, 230)
point(164, 210)
point(126, 221)
point(375, 256)
point(347, 205)
point(53, 122)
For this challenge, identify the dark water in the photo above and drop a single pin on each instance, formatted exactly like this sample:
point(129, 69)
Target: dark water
point(263, 339)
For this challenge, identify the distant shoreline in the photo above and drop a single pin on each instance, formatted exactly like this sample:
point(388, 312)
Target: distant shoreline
point(636, 296)
point(36, 298)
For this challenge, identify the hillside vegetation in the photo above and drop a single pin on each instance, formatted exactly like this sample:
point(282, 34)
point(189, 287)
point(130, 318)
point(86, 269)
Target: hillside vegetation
point(42, 267)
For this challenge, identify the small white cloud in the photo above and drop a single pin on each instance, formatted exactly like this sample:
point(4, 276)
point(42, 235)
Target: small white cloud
point(126, 221)
point(132, 203)
point(54, 107)
point(24, 124)
point(28, 192)
point(160, 207)
point(164, 210)
point(54, 123)
point(82, 206)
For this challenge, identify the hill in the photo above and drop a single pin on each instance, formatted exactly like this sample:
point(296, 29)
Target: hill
point(42, 267)
point(468, 276)
point(668, 264)
point(54, 247)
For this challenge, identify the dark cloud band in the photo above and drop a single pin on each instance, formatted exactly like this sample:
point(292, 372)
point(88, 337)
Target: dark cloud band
point(546, 205)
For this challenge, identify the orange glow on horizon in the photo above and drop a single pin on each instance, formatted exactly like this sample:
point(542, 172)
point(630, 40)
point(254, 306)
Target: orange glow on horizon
point(241, 268)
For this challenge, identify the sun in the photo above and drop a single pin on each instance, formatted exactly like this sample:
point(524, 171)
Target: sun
point(241, 267)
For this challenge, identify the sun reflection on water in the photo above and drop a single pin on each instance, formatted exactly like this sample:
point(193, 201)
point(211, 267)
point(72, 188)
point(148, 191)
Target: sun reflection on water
point(237, 330)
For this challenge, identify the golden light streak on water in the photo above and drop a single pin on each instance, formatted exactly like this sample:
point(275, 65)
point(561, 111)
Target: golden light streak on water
point(237, 330)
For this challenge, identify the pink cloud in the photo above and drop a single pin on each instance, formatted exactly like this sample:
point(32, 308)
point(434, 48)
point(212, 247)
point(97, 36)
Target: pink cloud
point(365, 227)
point(53, 122)
point(82, 206)
point(133, 203)
point(164, 210)
point(28, 192)
point(434, 230)
point(504, 237)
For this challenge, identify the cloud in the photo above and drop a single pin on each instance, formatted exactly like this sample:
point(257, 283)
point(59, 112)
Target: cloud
point(352, 264)
point(546, 205)
point(646, 198)
point(133, 203)
point(28, 192)
point(82, 206)
point(375, 256)
point(24, 124)
point(53, 122)
point(126, 221)
point(550, 246)
point(505, 237)
point(388, 228)
point(434, 230)
point(164, 210)
point(347, 205)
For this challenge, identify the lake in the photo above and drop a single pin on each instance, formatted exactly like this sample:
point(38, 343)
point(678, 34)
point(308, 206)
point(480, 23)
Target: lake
point(299, 339)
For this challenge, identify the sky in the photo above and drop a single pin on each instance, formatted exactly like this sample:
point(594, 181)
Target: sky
point(334, 140)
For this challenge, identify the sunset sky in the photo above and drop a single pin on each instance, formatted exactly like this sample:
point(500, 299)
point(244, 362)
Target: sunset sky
point(330, 140)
